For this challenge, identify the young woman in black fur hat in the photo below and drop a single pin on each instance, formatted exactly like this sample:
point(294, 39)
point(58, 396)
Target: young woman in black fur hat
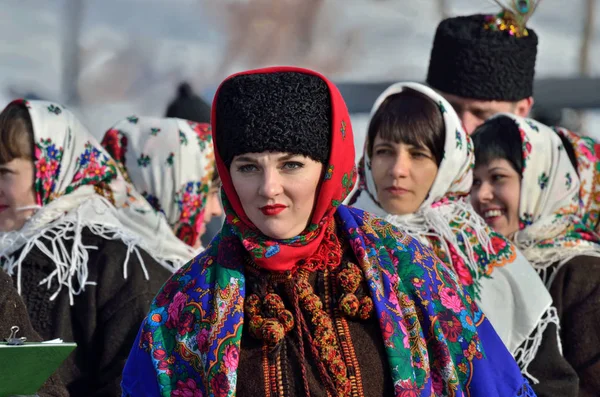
point(300, 295)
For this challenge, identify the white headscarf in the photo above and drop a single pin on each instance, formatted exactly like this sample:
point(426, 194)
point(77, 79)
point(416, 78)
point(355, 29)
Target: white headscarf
point(490, 267)
point(78, 186)
point(551, 231)
point(587, 153)
point(171, 163)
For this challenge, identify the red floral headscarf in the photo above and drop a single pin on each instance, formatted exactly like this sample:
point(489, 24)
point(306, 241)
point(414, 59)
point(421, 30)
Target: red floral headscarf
point(338, 181)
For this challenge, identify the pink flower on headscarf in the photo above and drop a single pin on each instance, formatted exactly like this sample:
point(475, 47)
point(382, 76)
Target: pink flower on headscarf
point(95, 170)
point(498, 243)
point(437, 383)
point(464, 273)
point(202, 340)
point(393, 298)
point(357, 248)
point(587, 153)
point(220, 385)
point(43, 169)
point(405, 332)
point(406, 388)
point(175, 309)
point(231, 357)
point(189, 388)
point(450, 299)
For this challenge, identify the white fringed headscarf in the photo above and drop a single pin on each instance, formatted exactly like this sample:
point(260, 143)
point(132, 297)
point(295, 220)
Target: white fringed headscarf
point(171, 162)
point(78, 185)
point(551, 231)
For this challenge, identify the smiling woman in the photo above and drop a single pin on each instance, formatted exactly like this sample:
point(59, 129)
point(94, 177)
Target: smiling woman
point(497, 177)
point(528, 188)
point(300, 295)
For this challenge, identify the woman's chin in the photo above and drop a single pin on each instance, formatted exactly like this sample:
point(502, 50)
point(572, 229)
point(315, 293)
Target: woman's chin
point(278, 235)
point(398, 210)
point(278, 232)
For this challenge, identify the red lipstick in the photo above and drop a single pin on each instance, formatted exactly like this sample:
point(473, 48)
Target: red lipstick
point(272, 210)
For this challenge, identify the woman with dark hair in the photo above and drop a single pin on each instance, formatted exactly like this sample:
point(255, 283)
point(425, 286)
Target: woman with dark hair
point(416, 173)
point(67, 240)
point(527, 188)
point(171, 163)
point(300, 295)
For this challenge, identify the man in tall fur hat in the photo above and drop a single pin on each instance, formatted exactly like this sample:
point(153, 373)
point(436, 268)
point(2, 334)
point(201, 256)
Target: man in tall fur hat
point(485, 64)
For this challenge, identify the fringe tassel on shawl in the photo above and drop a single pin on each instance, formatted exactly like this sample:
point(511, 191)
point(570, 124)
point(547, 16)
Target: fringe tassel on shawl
point(71, 265)
point(527, 352)
point(548, 260)
point(435, 222)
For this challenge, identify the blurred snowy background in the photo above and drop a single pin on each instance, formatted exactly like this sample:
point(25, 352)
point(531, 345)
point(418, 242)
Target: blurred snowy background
point(111, 58)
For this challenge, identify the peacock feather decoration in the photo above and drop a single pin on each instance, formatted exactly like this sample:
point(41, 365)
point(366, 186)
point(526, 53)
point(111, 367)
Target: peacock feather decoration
point(513, 17)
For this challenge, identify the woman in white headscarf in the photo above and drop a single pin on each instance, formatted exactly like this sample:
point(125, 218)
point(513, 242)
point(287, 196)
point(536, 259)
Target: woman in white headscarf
point(171, 163)
point(68, 239)
point(417, 173)
point(526, 187)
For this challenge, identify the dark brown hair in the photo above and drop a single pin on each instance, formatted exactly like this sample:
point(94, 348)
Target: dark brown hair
point(412, 118)
point(498, 139)
point(16, 133)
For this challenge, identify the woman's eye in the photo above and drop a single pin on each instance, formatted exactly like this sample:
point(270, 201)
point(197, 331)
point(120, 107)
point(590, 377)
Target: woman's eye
point(420, 155)
point(497, 178)
point(247, 168)
point(292, 165)
point(476, 182)
point(383, 152)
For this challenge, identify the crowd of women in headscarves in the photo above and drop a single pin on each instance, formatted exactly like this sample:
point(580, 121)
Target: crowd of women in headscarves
point(457, 257)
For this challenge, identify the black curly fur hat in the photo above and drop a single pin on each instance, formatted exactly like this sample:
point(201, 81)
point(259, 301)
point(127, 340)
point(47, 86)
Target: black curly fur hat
point(471, 62)
point(276, 112)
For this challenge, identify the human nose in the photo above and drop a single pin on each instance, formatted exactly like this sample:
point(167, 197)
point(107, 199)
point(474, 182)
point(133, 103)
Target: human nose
point(485, 193)
point(270, 186)
point(401, 166)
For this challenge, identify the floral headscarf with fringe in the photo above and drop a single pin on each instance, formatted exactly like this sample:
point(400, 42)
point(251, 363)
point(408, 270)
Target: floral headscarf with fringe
point(77, 184)
point(551, 230)
point(587, 153)
point(171, 163)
